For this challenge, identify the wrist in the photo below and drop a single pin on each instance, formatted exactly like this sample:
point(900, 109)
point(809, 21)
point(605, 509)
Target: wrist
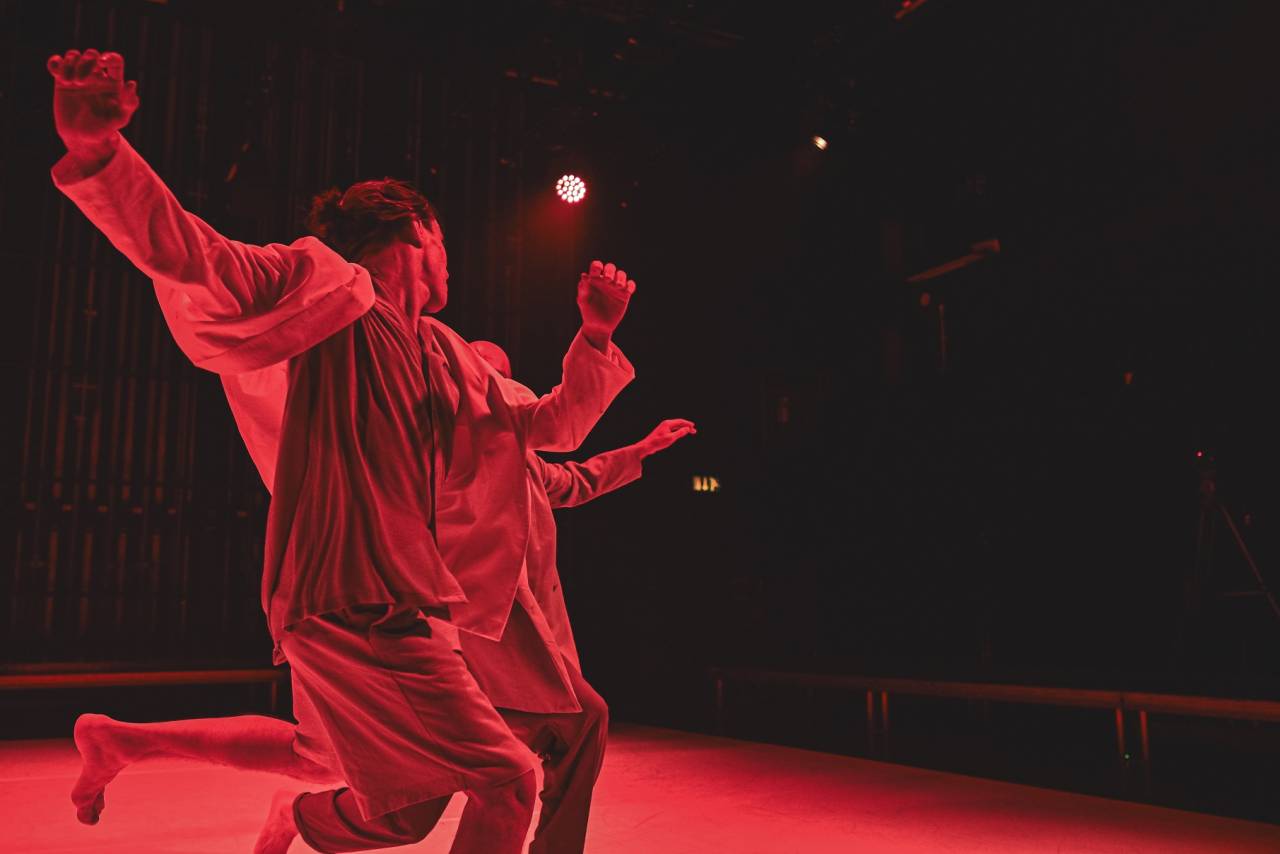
point(599, 337)
point(93, 154)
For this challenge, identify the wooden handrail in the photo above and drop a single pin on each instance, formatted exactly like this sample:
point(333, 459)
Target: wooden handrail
point(128, 666)
point(1135, 701)
point(25, 681)
point(1120, 702)
point(132, 678)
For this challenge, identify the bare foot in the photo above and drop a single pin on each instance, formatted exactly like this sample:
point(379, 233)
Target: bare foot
point(279, 830)
point(104, 751)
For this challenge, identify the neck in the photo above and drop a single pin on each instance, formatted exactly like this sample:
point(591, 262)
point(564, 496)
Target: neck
point(395, 277)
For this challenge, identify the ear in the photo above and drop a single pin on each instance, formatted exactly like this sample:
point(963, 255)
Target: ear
point(412, 234)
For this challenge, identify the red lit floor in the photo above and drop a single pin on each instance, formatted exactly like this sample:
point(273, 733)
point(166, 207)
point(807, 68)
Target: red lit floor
point(661, 792)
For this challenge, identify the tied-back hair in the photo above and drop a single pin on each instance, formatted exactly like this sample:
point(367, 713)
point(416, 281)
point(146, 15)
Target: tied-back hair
point(366, 216)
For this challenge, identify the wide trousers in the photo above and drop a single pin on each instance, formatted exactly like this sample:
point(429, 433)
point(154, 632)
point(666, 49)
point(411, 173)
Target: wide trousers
point(570, 745)
point(405, 721)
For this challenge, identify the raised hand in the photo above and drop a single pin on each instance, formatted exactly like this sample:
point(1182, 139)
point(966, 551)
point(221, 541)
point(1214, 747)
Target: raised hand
point(666, 434)
point(603, 294)
point(91, 101)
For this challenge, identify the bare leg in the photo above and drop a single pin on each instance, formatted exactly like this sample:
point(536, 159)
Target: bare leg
point(246, 742)
point(280, 829)
point(496, 820)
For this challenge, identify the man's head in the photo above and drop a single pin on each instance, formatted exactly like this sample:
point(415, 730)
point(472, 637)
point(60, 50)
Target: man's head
point(371, 218)
point(494, 355)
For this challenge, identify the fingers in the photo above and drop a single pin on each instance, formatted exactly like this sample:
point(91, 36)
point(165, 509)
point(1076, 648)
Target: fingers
point(113, 65)
point(75, 67)
point(611, 272)
point(67, 70)
point(626, 285)
point(130, 99)
point(88, 64)
point(670, 431)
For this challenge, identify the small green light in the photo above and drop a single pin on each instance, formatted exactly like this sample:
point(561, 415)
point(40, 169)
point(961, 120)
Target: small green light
point(1126, 756)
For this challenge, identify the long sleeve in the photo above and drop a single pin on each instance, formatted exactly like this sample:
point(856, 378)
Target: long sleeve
point(569, 484)
point(232, 307)
point(562, 418)
point(482, 430)
point(257, 401)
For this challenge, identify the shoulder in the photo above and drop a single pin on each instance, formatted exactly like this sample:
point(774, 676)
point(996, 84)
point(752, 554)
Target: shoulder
point(320, 254)
point(434, 330)
point(447, 347)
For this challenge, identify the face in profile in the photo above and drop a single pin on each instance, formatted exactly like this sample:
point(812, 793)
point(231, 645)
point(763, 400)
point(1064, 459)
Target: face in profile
point(435, 266)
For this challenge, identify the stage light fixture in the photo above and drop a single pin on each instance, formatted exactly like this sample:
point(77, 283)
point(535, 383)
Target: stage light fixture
point(571, 188)
point(820, 143)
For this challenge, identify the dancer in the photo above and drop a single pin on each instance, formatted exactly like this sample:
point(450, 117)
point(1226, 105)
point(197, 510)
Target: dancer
point(557, 486)
point(532, 674)
point(352, 404)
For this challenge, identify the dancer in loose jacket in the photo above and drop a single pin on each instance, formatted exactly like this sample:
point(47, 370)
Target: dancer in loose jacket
point(355, 406)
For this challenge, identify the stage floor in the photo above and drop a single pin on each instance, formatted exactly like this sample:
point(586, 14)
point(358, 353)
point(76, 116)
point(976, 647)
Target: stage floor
point(661, 791)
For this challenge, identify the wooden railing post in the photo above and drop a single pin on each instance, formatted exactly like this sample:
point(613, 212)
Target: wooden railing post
point(884, 724)
point(1120, 751)
point(871, 722)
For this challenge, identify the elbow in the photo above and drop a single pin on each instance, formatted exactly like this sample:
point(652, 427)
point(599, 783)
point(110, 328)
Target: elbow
point(558, 435)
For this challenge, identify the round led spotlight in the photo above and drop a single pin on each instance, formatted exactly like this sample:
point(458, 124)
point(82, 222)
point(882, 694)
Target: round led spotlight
point(571, 188)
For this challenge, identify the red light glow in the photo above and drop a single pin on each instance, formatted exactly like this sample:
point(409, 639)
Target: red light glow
point(571, 189)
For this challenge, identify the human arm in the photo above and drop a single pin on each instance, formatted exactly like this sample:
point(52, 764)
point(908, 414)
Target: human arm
point(594, 369)
point(231, 306)
point(569, 484)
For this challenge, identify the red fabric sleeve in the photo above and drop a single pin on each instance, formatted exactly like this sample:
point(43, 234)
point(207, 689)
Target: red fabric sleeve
point(570, 484)
point(561, 419)
point(231, 306)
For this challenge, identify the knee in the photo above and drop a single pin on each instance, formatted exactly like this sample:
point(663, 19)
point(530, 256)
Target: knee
point(301, 765)
point(313, 772)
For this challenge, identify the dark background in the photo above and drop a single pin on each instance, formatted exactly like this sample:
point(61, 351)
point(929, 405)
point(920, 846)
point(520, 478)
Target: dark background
point(1027, 513)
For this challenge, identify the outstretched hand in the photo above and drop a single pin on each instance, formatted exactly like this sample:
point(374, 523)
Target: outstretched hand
point(603, 294)
point(91, 101)
point(666, 434)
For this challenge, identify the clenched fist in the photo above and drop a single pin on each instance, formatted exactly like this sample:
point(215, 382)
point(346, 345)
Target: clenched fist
point(91, 101)
point(603, 294)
